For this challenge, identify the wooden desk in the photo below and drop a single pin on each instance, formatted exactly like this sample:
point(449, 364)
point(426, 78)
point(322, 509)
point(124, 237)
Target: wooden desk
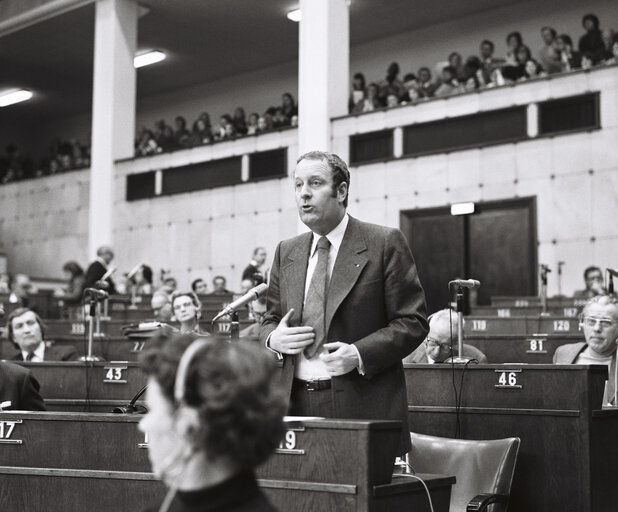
point(69, 461)
point(524, 302)
point(568, 458)
point(521, 349)
point(523, 325)
point(508, 311)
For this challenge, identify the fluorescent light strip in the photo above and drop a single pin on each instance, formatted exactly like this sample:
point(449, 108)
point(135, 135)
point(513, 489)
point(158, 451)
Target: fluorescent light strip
point(462, 208)
point(295, 15)
point(12, 97)
point(145, 59)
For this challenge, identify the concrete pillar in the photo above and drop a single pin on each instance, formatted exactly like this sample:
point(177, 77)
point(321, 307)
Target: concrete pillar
point(113, 109)
point(323, 70)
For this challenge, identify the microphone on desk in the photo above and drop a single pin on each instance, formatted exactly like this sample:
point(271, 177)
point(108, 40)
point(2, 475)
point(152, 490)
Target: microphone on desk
point(465, 283)
point(97, 294)
point(253, 294)
point(131, 408)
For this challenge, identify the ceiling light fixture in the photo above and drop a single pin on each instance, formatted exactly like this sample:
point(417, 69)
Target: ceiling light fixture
point(462, 208)
point(145, 59)
point(16, 96)
point(295, 15)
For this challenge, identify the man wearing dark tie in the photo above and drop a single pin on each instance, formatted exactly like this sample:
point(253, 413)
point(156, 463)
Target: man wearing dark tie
point(26, 331)
point(345, 305)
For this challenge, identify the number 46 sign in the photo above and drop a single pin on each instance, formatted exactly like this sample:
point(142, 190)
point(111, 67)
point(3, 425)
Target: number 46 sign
point(508, 379)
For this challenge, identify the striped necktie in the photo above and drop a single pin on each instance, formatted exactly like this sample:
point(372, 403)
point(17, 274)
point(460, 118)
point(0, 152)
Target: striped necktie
point(315, 303)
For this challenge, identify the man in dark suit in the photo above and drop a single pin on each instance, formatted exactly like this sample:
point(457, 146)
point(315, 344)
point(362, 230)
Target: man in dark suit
point(600, 325)
point(253, 268)
point(19, 390)
point(345, 305)
point(99, 267)
point(26, 331)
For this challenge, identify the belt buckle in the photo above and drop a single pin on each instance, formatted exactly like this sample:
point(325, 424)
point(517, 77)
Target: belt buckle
point(312, 385)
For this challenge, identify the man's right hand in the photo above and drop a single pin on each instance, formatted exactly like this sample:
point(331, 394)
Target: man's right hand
point(290, 340)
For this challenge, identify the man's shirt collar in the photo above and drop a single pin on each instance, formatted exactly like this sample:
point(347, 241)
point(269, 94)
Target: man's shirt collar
point(335, 237)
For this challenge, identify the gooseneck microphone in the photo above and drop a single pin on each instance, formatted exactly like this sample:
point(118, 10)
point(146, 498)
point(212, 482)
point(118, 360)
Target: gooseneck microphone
point(465, 283)
point(250, 296)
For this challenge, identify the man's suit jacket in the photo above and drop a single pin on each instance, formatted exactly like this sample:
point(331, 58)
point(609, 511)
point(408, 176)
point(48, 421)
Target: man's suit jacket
point(375, 300)
point(18, 386)
point(250, 271)
point(95, 272)
point(567, 354)
point(419, 356)
point(52, 353)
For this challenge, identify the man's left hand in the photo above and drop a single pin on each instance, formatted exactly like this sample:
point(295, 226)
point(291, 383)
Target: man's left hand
point(340, 359)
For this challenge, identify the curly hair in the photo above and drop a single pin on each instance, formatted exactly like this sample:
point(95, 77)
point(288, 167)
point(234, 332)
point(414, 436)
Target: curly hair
point(231, 386)
point(603, 300)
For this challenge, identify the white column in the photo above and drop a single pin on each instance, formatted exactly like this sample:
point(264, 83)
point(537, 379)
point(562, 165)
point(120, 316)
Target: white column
point(113, 109)
point(323, 70)
point(533, 120)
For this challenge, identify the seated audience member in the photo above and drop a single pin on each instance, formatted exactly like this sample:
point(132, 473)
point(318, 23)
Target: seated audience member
point(288, 107)
point(437, 345)
point(614, 52)
point(239, 120)
point(164, 135)
point(279, 119)
point(600, 325)
point(246, 285)
point(218, 284)
point(21, 288)
point(426, 86)
point(593, 277)
point(412, 88)
point(202, 131)
point(26, 331)
point(526, 66)
point(392, 85)
point(146, 143)
point(5, 283)
point(99, 267)
point(161, 306)
point(72, 295)
point(455, 60)
point(255, 265)
point(252, 123)
point(358, 93)
point(169, 283)
point(608, 36)
point(143, 281)
point(489, 63)
point(592, 41)
point(473, 74)
point(257, 311)
point(230, 131)
point(182, 137)
point(569, 58)
point(215, 414)
point(199, 287)
point(513, 42)
point(549, 57)
point(449, 83)
point(19, 390)
point(187, 310)
point(371, 101)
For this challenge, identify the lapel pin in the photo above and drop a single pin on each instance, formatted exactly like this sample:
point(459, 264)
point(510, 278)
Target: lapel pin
point(357, 265)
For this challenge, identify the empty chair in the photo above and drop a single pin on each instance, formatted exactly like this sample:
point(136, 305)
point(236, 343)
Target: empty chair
point(484, 469)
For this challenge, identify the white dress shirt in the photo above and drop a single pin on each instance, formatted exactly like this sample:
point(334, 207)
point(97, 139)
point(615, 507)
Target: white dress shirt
point(38, 355)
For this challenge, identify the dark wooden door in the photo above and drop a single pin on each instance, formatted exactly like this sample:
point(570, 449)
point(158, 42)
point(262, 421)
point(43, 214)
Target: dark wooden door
point(496, 245)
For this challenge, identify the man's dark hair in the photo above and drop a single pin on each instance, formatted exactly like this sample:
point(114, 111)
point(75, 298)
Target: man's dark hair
point(593, 18)
point(566, 38)
point(553, 31)
point(590, 270)
point(516, 35)
point(338, 167)
point(219, 277)
point(490, 43)
point(147, 273)
point(231, 386)
point(195, 282)
point(73, 268)
point(18, 312)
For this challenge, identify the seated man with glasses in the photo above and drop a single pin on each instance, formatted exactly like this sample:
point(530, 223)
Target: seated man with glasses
point(437, 345)
point(600, 325)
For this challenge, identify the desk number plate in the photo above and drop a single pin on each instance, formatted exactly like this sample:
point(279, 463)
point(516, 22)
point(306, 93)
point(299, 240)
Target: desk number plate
point(508, 379)
point(536, 346)
point(115, 375)
point(6, 432)
point(289, 442)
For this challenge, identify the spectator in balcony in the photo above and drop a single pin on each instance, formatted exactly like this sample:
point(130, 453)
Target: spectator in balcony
point(489, 63)
point(592, 41)
point(526, 66)
point(392, 85)
point(614, 57)
point(587, 60)
point(239, 120)
point(549, 57)
point(473, 74)
point(456, 62)
point(230, 131)
point(449, 83)
point(359, 91)
point(199, 287)
point(201, 133)
point(182, 137)
point(164, 135)
point(426, 86)
point(392, 100)
point(513, 42)
point(288, 107)
point(371, 102)
point(262, 125)
point(569, 58)
point(608, 36)
point(252, 123)
point(412, 87)
point(279, 119)
point(72, 295)
point(146, 143)
point(224, 121)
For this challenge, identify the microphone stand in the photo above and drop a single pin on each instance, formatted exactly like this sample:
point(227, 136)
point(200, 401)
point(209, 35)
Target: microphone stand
point(544, 271)
point(235, 327)
point(92, 313)
point(460, 309)
point(131, 408)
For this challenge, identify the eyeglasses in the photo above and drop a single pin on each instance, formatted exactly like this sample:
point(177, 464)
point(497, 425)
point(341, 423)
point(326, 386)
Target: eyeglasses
point(432, 343)
point(591, 321)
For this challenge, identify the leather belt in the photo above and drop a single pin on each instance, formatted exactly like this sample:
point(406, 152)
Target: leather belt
point(313, 385)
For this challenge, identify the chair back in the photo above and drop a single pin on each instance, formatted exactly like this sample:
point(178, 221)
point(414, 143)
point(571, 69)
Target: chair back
point(479, 466)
